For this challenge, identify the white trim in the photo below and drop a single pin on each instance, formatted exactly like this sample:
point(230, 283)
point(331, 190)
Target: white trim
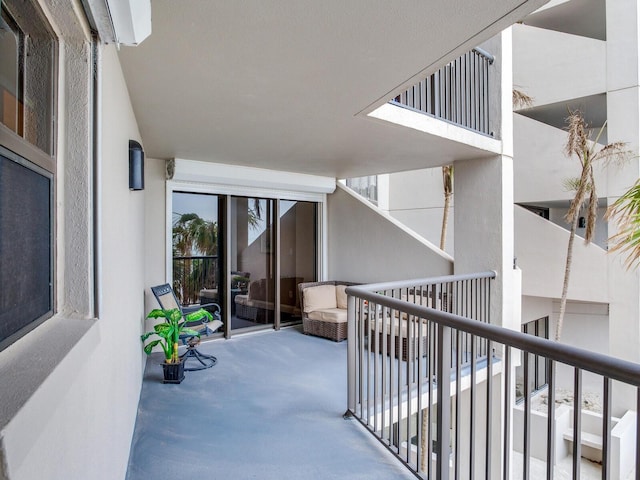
point(244, 191)
point(243, 179)
point(168, 228)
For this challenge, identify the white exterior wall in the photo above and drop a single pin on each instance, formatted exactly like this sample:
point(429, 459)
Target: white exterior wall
point(417, 201)
point(365, 245)
point(552, 66)
point(541, 251)
point(80, 378)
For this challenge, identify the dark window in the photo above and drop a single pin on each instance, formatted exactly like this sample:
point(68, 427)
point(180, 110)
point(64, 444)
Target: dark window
point(27, 169)
point(25, 246)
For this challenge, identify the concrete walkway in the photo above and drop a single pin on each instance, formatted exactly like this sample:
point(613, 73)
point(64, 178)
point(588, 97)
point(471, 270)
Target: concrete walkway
point(270, 409)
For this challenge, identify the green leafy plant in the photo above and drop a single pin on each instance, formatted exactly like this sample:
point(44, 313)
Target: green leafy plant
point(170, 331)
point(626, 212)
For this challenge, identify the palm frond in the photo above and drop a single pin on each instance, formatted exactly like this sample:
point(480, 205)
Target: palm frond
point(520, 99)
point(626, 212)
point(578, 135)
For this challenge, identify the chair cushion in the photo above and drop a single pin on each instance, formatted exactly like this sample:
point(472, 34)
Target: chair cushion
point(319, 297)
point(341, 296)
point(331, 315)
point(242, 299)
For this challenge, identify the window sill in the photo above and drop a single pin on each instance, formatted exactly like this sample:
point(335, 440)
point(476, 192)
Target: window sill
point(27, 364)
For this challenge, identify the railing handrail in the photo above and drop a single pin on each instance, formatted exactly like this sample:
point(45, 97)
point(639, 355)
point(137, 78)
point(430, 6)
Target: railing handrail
point(605, 365)
point(374, 287)
point(483, 53)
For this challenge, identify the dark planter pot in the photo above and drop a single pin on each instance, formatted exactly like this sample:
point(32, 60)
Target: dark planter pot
point(173, 372)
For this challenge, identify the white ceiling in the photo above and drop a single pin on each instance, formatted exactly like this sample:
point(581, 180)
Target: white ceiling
point(586, 18)
point(286, 85)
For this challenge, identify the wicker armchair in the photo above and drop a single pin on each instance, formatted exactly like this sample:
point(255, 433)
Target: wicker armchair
point(333, 330)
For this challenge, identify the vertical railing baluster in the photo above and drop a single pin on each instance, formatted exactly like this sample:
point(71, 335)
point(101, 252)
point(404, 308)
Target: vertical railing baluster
point(386, 398)
point(637, 433)
point(472, 410)
point(430, 100)
point(551, 420)
point(506, 433)
point(443, 423)
point(351, 354)
point(361, 357)
point(489, 424)
point(420, 407)
point(431, 374)
point(577, 422)
point(606, 428)
point(456, 467)
point(526, 447)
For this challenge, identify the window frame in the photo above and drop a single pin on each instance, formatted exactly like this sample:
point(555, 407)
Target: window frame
point(20, 150)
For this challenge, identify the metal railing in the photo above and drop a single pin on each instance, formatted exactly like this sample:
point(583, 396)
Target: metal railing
point(446, 409)
point(192, 274)
point(458, 92)
point(365, 186)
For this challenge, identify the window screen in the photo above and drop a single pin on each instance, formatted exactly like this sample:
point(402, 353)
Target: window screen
point(25, 246)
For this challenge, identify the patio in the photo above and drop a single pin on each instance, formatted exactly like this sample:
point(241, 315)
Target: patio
point(271, 408)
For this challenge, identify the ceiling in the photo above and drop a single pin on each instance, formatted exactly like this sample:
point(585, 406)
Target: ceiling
point(287, 85)
point(586, 18)
point(593, 109)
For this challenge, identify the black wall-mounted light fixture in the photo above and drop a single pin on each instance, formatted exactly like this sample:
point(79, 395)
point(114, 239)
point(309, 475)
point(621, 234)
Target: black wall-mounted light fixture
point(582, 222)
point(136, 166)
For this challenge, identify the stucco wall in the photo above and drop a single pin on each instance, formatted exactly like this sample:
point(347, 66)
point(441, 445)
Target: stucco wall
point(416, 199)
point(366, 245)
point(78, 421)
point(541, 251)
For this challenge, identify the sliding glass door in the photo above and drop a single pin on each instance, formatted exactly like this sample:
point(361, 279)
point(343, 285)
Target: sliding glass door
point(252, 260)
point(298, 254)
point(196, 248)
point(247, 254)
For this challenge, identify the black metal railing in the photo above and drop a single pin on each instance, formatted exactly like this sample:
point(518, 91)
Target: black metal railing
point(447, 410)
point(458, 92)
point(193, 274)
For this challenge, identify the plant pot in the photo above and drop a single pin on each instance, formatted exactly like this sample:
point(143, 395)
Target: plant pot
point(173, 372)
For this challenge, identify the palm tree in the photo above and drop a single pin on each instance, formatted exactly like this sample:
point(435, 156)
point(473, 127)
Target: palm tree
point(191, 233)
point(447, 184)
point(194, 235)
point(626, 210)
point(585, 151)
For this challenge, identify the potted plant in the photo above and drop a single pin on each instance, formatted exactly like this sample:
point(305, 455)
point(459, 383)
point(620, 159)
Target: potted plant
point(170, 332)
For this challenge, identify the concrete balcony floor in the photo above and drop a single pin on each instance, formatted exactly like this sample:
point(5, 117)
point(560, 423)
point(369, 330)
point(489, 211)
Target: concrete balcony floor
point(270, 409)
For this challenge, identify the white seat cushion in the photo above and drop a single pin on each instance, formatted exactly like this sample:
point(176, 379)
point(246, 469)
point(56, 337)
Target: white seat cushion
point(319, 297)
point(332, 315)
point(341, 296)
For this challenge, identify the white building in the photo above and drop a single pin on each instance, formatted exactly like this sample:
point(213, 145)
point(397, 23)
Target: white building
point(567, 55)
point(270, 102)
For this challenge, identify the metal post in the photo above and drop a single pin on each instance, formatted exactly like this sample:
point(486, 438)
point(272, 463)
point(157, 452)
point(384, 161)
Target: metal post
point(444, 403)
point(351, 356)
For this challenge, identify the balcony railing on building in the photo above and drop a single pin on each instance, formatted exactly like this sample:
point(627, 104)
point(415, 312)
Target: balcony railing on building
point(192, 275)
point(433, 380)
point(367, 187)
point(457, 93)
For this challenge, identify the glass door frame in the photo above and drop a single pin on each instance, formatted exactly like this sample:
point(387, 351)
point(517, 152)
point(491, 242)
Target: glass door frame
point(227, 191)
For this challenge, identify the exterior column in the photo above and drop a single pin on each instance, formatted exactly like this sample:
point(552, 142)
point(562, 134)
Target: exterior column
point(484, 230)
point(623, 114)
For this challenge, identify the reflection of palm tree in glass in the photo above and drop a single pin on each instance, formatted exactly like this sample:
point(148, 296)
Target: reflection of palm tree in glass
point(194, 236)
